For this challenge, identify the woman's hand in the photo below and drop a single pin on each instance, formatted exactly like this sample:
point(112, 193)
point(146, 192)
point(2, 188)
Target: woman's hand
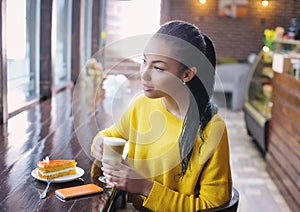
point(97, 148)
point(126, 178)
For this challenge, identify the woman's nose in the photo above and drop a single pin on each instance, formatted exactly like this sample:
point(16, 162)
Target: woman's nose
point(145, 75)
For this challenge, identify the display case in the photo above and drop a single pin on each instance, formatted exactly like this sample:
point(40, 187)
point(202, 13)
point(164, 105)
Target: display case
point(257, 106)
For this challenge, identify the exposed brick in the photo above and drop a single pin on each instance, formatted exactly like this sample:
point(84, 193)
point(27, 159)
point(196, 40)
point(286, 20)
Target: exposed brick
point(234, 37)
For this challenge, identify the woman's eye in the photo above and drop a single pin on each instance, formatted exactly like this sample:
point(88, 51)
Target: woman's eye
point(158, 69)
point(144, 61)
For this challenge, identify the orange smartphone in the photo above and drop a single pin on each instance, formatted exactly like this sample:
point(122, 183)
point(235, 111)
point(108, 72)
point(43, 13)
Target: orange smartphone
point(77, 191)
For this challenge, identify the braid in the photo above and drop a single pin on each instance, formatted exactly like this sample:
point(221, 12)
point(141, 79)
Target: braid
point(200, 110)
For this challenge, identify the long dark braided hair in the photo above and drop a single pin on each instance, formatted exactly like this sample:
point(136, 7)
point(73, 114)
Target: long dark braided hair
point(201, 109)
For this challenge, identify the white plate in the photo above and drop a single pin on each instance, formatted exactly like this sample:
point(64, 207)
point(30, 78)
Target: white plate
point(79, 173)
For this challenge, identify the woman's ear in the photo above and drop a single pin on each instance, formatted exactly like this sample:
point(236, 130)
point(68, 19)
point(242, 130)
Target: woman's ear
point(188, 74)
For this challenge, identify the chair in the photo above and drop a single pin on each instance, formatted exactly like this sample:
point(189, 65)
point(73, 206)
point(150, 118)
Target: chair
point(230, 206)
point(233, 79)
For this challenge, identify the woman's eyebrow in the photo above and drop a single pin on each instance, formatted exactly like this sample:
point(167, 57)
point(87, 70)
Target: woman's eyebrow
point(156, 61)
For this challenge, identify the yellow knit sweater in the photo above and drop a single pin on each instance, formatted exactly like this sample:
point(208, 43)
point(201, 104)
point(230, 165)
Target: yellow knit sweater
point(152, 133)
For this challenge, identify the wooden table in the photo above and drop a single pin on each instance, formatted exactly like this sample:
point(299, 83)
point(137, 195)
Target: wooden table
point(53, 128)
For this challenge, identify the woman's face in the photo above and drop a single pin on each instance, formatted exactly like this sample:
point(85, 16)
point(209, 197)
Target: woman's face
point(160, 76)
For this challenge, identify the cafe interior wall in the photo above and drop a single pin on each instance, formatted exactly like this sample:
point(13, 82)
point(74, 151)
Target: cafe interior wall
point(234, 37)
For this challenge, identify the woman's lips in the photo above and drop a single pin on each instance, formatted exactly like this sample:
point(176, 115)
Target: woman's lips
point(147, 88)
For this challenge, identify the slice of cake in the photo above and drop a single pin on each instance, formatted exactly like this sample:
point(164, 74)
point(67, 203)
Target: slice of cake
point(50, 169)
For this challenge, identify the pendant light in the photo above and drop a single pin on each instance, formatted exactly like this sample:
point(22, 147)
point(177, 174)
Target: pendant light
point(265, 3)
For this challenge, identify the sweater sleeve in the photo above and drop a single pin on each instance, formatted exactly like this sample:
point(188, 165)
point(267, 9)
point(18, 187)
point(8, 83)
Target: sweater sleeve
point(115, 130)
point(119, 129)
point(123, 127)
point(214, 183)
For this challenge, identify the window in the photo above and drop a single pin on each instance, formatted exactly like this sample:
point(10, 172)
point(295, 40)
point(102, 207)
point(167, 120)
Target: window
point(62, 14)
point(42, 45)
point(126, 19)
point(22, 53)
point(87, 46)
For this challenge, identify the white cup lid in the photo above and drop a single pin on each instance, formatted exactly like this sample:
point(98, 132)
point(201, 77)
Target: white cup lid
point(114, 141)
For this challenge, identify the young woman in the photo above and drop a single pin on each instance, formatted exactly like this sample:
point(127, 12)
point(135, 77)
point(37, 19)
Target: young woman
point(178, 157)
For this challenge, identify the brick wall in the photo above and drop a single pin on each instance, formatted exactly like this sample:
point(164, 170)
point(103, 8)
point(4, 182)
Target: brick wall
point(233, 37)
